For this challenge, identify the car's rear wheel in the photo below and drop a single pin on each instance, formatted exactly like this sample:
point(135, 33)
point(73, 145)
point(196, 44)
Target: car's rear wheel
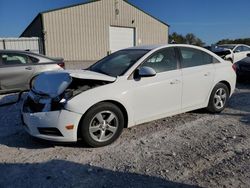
point(102, 124)
point(218, 98)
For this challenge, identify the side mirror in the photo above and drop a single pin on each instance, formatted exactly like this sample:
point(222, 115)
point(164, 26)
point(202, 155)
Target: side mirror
point(236, 51)
point(146, 72)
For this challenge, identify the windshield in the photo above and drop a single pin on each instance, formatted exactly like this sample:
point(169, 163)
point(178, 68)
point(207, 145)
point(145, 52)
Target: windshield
point(227, 46)
point(118, 63)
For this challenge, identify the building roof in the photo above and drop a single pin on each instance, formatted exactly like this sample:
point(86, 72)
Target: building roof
point(100, 0)
point(39, 14)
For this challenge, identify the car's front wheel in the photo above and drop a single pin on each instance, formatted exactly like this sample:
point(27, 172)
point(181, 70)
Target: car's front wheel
point(102, 124)
point(218, 98)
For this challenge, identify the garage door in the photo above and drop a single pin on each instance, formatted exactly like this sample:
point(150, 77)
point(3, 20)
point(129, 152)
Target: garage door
point(121, 37)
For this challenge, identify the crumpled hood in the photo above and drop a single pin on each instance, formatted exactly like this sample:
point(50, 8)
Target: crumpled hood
point(54, 83)
point(90, 75)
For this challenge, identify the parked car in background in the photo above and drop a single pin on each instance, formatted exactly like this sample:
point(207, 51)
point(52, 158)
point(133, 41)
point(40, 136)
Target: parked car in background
point(224, 53)
point(17, 68)
point(127, 88)
point(242, 69)
point(239, 51)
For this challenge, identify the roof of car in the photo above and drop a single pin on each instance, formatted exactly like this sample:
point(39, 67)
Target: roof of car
point(146, 47)
point(152, 47)
point(18, 51)
point(28, 53)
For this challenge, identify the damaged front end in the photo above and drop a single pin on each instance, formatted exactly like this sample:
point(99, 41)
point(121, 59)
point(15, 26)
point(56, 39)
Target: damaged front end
point(51, 90)
point(43, 112)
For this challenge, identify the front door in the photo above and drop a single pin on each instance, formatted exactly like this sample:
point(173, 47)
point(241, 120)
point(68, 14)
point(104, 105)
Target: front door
point(158, 96)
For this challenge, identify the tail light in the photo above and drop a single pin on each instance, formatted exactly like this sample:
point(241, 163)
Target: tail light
point(234, 67)
point(61, 64)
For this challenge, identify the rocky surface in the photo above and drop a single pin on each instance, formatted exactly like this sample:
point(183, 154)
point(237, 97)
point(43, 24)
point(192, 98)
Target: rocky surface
point(194, 149)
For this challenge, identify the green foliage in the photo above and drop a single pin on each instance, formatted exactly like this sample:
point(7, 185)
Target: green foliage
point(190, 38)
point(236, 41)
point(179, 39)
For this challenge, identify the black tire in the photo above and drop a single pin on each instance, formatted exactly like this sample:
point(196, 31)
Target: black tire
point(89, 119)
point(212, 107)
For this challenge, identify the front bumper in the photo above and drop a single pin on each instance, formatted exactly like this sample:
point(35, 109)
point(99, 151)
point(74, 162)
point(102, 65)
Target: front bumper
point(52, 120)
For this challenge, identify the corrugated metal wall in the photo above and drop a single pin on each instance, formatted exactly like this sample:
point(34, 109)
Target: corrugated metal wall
point(1, 44)
point(82, 32)
point(31, 44)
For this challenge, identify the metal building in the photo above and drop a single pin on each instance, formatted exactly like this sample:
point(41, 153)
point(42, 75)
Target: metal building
point(30, 44)
point(89, 31)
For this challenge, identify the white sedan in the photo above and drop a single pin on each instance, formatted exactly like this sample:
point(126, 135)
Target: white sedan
point(127, 88)
point(238, 51)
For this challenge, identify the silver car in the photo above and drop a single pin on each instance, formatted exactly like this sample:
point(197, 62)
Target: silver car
point(17, 68)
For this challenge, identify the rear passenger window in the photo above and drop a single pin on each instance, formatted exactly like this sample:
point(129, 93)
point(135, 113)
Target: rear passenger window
point(192, 57)
point(14, 59)
point(33, 60)
point(162, 60)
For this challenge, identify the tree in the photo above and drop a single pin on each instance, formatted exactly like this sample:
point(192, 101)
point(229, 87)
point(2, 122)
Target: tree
point(190, 38)
point(177, 38)
point(236, 41)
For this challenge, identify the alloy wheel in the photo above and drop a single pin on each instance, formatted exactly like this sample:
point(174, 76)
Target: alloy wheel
point(220, 98)
point(103, 126)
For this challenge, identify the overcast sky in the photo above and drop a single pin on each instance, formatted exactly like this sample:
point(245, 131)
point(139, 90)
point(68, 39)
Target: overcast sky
point(210, 20)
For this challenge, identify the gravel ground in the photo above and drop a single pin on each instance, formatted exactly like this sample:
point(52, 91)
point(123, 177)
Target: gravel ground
point(194, 149)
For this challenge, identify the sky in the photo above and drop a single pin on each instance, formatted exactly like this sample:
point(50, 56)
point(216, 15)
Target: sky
point(210, 20)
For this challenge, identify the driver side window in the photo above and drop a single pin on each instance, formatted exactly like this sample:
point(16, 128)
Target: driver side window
point(162, 60)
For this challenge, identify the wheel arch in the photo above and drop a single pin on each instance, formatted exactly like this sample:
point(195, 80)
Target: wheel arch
point(118, 104)
point(227, 84)
point(223, 82)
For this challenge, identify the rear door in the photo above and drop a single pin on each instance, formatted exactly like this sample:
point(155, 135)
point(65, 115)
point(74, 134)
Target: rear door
point(198, 75)
point(15, 71)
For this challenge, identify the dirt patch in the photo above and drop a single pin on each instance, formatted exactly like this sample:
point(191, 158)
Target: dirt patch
point(187, 150)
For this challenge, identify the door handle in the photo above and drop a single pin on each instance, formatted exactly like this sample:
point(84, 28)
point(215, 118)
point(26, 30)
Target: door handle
point(175, 82)
point(28, 68)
